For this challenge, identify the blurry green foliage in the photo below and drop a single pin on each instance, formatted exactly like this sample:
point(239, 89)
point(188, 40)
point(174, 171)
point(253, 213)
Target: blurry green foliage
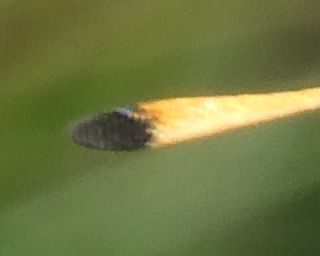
point(251, 192)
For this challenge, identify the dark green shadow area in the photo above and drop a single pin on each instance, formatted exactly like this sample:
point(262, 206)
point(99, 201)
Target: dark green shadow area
point(292, 228)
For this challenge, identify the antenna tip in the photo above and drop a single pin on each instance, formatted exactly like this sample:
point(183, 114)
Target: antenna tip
point(117, 130)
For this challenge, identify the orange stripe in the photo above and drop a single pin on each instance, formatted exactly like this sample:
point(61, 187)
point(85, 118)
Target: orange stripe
point(181, 119)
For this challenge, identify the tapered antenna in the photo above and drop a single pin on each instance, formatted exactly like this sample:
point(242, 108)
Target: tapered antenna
point(165, 122)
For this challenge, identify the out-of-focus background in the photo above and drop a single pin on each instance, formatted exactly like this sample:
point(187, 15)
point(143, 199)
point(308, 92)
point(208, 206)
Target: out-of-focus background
point(251, 192)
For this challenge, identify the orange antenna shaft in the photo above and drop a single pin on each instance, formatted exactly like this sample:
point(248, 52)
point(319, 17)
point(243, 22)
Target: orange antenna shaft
point(181, 119)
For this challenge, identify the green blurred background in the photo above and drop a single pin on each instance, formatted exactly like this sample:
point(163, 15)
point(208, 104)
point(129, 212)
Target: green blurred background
point(251, 192)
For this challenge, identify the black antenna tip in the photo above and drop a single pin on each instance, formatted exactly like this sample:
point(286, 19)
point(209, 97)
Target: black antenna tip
point(117, 130)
